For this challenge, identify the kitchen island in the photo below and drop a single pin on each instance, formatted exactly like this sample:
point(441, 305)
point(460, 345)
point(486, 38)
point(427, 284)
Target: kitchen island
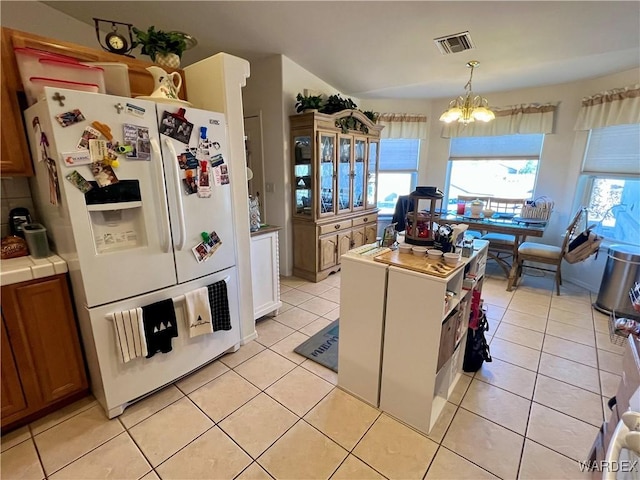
point(403, 327)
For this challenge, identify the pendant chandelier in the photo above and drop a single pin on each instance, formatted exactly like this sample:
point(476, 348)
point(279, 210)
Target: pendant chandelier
point(469, 108)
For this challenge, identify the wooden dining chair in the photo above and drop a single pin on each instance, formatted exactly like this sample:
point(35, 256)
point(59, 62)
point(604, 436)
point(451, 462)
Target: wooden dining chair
point(501, 245)
point(548, 254)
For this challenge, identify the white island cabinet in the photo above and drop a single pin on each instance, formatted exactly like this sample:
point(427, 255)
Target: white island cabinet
point(412, 327)
point(265, 271)
point(362, 296)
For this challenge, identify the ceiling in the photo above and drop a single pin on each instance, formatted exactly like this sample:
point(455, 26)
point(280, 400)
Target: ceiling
point(385, 49)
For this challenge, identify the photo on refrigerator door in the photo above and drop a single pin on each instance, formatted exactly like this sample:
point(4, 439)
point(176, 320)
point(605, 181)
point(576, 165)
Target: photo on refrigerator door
point(204, 250)
point(137, 138)
point(89, 133)
point(190, 182)
point(175, 127)
point(204, 181)
point(103, 174)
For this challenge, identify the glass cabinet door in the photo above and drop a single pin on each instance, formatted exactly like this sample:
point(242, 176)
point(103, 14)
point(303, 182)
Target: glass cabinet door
point(344, 174)
point(359, 155)
point(327, 173)
point(372, 174)
point(303, 171)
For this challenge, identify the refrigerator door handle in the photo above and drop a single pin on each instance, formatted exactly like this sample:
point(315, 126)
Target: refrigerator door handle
point(174, 160)
point(164, 227)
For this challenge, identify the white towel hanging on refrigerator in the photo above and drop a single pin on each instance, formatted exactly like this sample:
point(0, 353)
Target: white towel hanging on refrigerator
point(198, 312)
point(130, 337)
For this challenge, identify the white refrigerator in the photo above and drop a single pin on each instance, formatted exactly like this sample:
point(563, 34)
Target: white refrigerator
point(156, 224)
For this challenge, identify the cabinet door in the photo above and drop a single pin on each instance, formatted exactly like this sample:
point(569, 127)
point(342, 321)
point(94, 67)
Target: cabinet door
point(372, 173)
point(13, 400)
point(345, 173)
point(359, 174)
point(265, 274)
point(358, 237)
point(303, 175)
point(326, 174)
point(41, 323)
point(370, 233)
point(328, 250)
point(15, 159)
point(344, 243)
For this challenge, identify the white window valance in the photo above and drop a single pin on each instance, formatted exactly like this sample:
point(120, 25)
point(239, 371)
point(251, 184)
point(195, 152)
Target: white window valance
point(403, 125)
point(510, 120)
point(619, 106)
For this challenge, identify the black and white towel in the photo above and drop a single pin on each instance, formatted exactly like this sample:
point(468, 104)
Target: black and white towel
point(130, 337)
point(198, 312)
point(219, 303)
point(160, 326)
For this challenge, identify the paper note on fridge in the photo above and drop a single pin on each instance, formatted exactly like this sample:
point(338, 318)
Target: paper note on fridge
point(73, 159)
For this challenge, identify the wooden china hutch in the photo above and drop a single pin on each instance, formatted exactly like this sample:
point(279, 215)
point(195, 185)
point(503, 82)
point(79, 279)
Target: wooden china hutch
point(334, 182)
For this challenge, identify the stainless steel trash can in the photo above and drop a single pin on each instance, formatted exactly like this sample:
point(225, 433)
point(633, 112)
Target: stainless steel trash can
point(620, 273)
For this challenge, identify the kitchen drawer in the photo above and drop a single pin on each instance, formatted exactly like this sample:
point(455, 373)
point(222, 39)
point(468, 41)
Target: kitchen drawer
point(365, 219)
point(335, 227)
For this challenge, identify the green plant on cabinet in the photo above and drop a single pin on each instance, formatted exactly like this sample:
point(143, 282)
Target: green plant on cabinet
point(156, 42)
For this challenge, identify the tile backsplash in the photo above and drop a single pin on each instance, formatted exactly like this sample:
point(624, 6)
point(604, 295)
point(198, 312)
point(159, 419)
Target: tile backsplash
point(14, 192)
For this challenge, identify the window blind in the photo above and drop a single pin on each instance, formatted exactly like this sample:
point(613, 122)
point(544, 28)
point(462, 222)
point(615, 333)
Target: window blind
point(614, 149)
point(399, 154)
point(526, 146)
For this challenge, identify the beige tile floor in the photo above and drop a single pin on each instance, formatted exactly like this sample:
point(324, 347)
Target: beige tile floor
point(266, 412)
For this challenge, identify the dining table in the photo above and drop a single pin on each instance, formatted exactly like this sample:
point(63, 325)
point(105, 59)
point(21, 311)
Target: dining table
point(520, 228)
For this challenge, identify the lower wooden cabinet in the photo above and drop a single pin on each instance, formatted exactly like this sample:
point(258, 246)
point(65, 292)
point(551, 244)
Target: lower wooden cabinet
point(370, 233)
point(332, 239)
point(13, 400)
point(357, 237)
point(328, 251)
point(42, 363)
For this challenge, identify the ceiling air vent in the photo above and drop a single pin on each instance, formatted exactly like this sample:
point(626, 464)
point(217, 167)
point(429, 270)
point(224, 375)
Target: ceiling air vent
point(454, 43)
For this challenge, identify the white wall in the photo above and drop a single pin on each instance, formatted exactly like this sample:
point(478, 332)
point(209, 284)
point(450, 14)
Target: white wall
point(271, 90)
point(263, 94)
point(561, 156)
point(40, 19)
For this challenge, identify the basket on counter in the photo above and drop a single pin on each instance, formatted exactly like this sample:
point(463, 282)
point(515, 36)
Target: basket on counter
point(540, 209)
point(616, 335)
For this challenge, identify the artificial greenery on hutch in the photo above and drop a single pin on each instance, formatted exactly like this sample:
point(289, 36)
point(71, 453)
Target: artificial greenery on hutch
point(334, 104)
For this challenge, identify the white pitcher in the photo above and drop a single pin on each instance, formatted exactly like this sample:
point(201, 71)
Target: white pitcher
point(165, 84)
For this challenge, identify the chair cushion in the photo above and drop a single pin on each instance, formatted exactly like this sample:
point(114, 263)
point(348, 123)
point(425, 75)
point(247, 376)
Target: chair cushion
point(502, 238)
point(472, 233)
point(540, 250)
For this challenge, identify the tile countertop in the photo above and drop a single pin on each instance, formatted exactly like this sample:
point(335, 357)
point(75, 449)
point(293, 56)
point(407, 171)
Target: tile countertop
point(22, 269)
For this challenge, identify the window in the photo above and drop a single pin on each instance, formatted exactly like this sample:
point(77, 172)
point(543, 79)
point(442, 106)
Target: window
point(499, 166)
point(611, 176)
point(398, 171)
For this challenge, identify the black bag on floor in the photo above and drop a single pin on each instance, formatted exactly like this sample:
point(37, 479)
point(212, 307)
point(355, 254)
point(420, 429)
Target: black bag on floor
point(477, 349)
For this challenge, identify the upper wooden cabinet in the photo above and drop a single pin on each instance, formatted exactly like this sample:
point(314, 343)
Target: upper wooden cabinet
point(335, 176)
point(15, 159)
point(334, 167)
